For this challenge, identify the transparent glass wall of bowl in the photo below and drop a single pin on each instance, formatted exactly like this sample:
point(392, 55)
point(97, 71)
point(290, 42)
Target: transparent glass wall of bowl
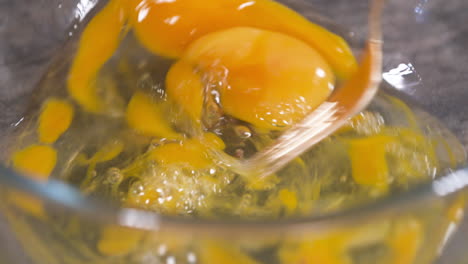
point(412, 235)
point(32, 31)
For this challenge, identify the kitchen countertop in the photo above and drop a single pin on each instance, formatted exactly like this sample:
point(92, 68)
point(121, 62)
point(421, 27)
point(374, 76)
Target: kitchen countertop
point(430, 36)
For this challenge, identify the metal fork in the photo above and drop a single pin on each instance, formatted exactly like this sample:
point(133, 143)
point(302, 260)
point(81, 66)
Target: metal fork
point(351, 98)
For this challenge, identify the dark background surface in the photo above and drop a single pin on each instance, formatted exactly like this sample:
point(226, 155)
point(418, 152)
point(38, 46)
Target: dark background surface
point(430, 35)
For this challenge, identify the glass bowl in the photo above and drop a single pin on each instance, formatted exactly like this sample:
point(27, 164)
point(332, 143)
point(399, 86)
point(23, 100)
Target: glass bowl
point(422, 53)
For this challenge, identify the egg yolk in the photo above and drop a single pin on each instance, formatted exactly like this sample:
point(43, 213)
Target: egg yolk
point(289, 199)
point(55, 118)
point(36, 161)
point(184, 86)
point(328, 250)
point(406, 240)
point(219, 252)
point(268, 79)
point(368, 161)
point(146, 116)
point(456, 210)
point(118, 241)
point(98, 42)
point(190, 152)
point(169, 27)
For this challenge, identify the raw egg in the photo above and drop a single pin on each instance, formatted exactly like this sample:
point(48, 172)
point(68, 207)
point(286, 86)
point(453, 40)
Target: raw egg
point(268, 79)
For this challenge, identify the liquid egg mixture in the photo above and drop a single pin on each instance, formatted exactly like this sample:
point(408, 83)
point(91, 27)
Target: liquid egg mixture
point(154, 85)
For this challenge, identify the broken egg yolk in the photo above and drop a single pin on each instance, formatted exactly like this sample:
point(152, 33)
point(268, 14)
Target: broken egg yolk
point(55, 119)
point(265, 78)
point(169, 28)
point(189, 152)
point(98, 42)
point(36, 161)
point(118, 241)
point(146, 116)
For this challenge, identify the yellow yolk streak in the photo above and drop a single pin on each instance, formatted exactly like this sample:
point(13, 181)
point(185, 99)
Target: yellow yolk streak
point(269, 79)
point(219, 252)
point(456, 210)
point(406, 239)
point(328, 250)
point(108, 152)
point(118, 241)
point(191, 152)
point(334, 247)
point(98, 43)
point(37, 162)
point(148, 198)
point(145, 115)
point(185, 88)
point(289, 199)
point(54, 120)
point(368, 161)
